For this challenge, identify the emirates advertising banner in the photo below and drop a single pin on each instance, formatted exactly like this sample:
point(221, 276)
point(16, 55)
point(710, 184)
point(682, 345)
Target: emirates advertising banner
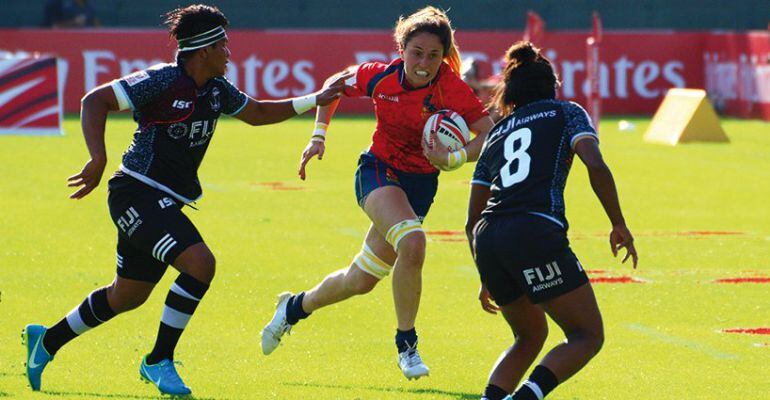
point(737, 73)
point(635, 71)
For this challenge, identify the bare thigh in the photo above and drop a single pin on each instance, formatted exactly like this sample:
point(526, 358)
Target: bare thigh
point(387, 206)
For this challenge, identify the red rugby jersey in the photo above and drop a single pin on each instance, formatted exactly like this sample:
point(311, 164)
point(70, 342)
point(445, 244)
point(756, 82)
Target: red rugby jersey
point(401, 112)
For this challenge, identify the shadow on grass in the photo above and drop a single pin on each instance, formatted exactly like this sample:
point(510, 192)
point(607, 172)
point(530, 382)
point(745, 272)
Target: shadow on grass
point(123, 396)
point(455, 395)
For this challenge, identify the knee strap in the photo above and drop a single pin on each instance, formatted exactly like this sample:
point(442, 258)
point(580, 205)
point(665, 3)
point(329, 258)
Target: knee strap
point(368, 262)
point(401, 229)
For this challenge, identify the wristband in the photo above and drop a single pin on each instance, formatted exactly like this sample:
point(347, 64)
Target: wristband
point(456, 159)
point(319, 133)
point(303, 104)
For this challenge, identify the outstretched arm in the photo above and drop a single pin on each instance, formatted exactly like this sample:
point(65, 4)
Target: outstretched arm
point(317, 143)
point(323, 117)
point(94, 108)
point(604, 186)
point(265, 112)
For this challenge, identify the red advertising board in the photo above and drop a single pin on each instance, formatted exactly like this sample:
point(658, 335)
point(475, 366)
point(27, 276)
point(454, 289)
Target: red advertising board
point(737, 73)
point(635, 71)
point(30, 101)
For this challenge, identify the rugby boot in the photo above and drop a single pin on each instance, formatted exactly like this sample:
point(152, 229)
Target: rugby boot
point(411, 364)
point(164, 376)
point(278, 326)
point(37, 355)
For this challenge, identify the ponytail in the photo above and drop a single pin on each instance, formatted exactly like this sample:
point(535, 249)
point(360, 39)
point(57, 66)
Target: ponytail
point(528, 76)
point(452, 57)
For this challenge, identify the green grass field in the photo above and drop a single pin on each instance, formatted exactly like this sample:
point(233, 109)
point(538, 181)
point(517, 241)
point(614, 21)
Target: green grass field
point(699, 212)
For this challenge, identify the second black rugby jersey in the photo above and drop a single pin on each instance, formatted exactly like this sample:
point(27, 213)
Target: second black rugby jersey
point(176, 121)
point(527, 156)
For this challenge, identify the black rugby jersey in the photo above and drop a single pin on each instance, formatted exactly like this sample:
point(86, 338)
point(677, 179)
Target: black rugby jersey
point(527, 156)
point(176, 121)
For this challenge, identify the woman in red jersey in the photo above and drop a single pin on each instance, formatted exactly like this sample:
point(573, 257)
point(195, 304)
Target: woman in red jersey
point(396, 179)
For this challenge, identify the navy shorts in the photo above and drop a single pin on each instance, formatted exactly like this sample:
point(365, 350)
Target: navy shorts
point(523, 253)
point(372, 173)
point(152, 230)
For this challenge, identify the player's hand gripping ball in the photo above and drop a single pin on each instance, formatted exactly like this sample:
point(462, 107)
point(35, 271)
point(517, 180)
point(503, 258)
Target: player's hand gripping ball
point(450, 127)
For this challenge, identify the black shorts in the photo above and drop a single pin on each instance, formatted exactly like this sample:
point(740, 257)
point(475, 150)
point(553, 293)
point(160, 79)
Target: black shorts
point(152, 230)
point(525, 253)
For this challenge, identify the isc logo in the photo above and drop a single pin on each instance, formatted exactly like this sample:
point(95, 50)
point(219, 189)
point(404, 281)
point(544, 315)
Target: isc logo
point(165, 202)
point(181, 104)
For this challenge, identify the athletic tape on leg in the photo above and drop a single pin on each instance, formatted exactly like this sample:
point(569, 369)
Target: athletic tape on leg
point(401, 229)
point(368, 262)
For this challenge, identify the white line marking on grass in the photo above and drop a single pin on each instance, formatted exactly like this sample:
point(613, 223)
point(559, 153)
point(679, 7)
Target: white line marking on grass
point(354, 232)
point(467, 270)
point(214, 187)
point(678, 341)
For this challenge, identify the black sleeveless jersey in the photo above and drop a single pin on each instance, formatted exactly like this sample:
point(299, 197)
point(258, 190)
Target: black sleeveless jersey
point(176, 121)
point(527, 156)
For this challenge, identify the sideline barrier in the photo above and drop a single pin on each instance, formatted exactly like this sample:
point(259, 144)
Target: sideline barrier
point(30, 100)
point(636, 69)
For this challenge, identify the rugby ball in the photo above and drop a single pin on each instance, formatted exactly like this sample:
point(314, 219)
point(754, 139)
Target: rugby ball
point(450, 127)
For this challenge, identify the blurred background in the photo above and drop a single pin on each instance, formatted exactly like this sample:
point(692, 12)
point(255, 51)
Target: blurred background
point(614, 57)
point(479, 14)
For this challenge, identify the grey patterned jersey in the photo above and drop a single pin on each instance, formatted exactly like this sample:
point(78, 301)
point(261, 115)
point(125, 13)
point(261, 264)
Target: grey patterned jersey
point(527, 156)
point(176, 121)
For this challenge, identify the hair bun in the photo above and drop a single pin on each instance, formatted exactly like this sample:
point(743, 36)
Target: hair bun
point(523, 52)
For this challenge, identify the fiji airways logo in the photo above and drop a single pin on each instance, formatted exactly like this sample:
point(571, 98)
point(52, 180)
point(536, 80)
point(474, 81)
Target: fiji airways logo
point(198, 132)
point(129, 221)
point(393, 99)
point(181, 104)
point(540, 278)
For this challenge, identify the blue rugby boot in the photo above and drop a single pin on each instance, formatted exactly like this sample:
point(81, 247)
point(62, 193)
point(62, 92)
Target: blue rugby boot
point(37, 355)
point(164, 376)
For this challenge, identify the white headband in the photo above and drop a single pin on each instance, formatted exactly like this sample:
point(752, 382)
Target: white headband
point(202, 39)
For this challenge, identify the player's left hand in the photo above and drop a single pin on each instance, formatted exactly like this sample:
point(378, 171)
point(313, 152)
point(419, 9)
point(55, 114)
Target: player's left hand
point(333, 88)
point(437, 153)
point(487, 303)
